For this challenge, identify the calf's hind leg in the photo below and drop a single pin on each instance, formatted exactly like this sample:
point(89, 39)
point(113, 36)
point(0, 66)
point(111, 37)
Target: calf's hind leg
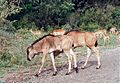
point(75, 61)
point(69, 61)
point(98, 56)
point(87, 58)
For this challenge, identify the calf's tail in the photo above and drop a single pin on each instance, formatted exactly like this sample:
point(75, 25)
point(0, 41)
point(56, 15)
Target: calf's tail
point(96, 43)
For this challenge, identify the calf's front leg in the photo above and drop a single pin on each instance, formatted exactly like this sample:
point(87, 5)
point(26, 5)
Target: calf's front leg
point(53, 63)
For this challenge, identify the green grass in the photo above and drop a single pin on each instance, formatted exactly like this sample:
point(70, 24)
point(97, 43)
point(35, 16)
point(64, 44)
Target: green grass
point(13, 51)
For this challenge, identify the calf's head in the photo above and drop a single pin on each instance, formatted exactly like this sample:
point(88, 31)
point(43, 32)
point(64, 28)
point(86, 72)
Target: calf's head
point(31, 52)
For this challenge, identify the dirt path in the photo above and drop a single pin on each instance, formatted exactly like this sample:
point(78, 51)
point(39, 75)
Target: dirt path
point(108, 73)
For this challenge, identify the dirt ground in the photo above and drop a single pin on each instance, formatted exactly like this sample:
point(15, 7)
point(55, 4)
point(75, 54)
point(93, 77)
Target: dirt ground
point(108, 73)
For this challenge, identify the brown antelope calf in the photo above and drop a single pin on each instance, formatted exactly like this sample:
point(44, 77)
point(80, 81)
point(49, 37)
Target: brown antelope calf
point(118, 38)
point(103, 34)
point(113, 30)
point(57, 32)
point(100, 33)
point(85, 39)
point(48, 45)
point(106, 39)
point(36, 32)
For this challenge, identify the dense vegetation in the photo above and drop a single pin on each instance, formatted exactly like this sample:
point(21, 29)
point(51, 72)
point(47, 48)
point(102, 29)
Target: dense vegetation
point(48, 14)
point(18, 16)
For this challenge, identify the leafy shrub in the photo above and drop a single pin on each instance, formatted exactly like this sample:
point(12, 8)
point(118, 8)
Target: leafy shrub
point(73, 19)
point(5, 58)
point(92, 27)
point(66, 27)
point(116, 17)
point(8, 26)
point(24, 23)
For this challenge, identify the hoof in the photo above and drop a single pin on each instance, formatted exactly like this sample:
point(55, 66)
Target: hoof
point(67, 73)
point(98, 67)
point(54, 74)
point(37, 75)
point(76, 69)
point(83, 67)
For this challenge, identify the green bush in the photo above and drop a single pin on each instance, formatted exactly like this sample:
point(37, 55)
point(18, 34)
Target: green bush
point(66, 27)
point(24, 23)
point(116, 17)
point(91, 27)
point(5, 59)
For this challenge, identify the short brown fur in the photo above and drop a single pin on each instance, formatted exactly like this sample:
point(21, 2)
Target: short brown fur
point(47, 45)
point(85, 39)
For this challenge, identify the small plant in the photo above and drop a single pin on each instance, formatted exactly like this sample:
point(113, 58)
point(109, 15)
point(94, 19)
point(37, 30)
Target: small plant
point(66, 27)
point(5, 58)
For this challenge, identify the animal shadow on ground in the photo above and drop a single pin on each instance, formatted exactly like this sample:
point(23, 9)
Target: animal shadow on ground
point(90, 63)
point(65, 66)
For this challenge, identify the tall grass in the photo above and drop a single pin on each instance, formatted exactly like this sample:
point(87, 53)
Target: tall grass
point(13, 49)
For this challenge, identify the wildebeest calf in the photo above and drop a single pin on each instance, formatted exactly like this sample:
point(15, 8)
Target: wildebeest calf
point(47, 45)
